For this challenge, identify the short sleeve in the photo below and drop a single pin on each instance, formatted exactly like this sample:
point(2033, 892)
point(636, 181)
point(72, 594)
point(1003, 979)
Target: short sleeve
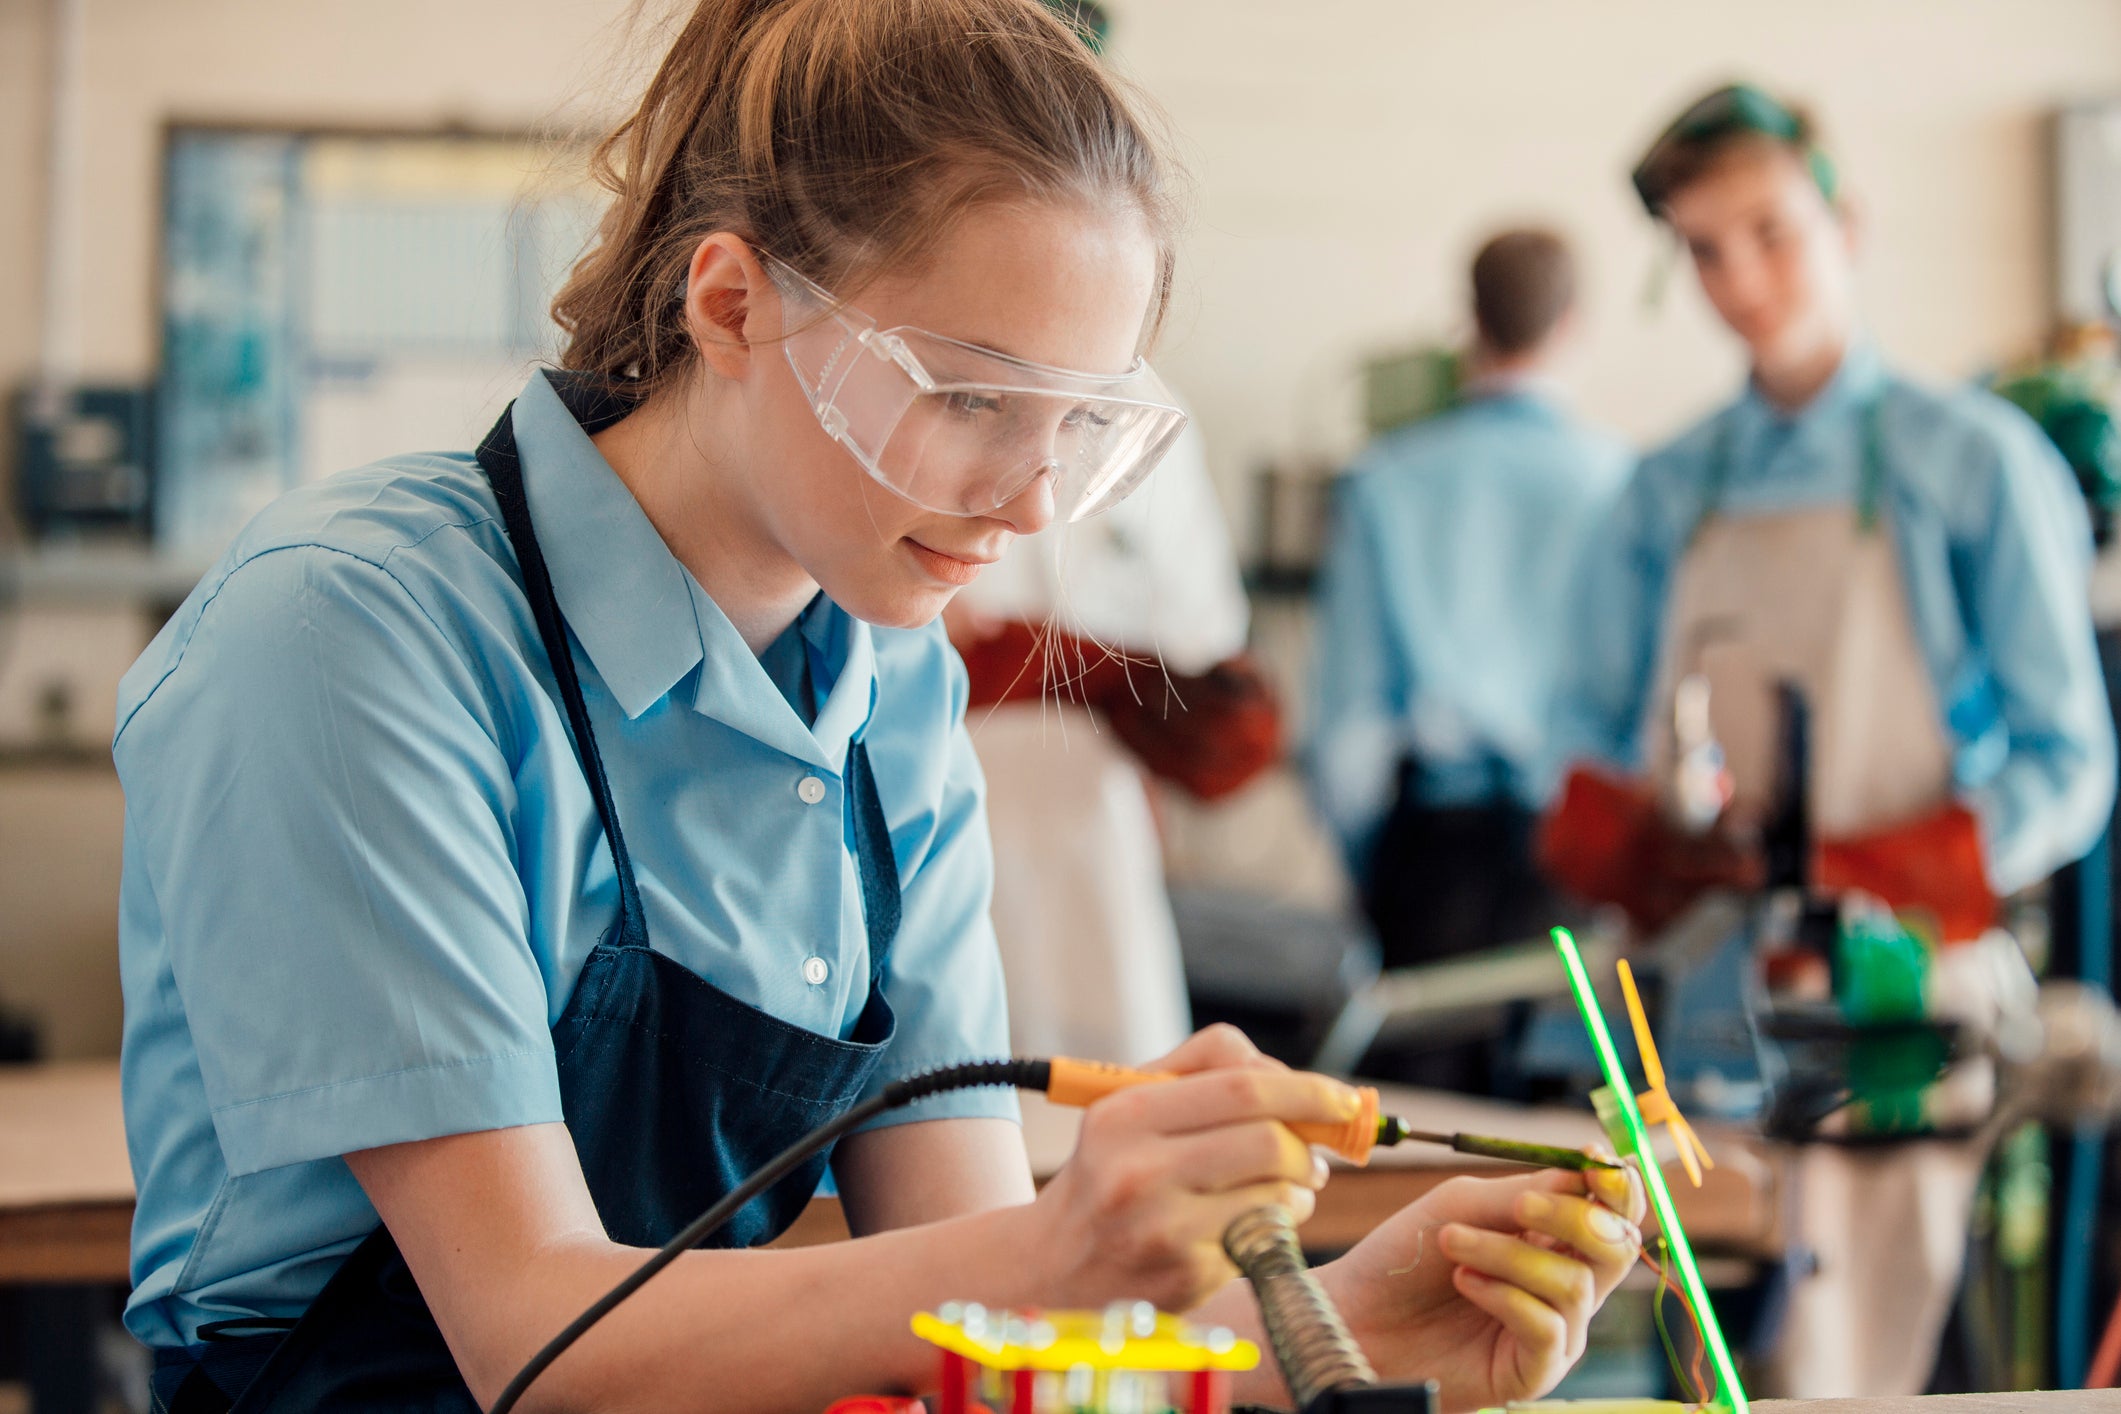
point(944, 975)
point(2029, 559)
point(317, 795)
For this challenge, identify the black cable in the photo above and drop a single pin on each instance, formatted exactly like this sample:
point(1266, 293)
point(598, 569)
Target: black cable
point(1021, 1074)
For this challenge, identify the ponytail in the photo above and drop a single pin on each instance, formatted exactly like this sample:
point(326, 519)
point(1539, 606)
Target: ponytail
point(843, 136)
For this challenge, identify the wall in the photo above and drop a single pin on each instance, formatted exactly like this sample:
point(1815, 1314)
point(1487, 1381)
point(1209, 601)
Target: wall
point(1348, 153)
point(24, 49)
point(1349, 162)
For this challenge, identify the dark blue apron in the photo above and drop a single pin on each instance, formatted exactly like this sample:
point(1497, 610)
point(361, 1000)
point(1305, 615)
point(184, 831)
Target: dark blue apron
point(673, 1090)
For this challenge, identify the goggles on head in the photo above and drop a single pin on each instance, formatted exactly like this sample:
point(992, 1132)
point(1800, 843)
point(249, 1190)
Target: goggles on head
point(960, 429)
point(1734, 109)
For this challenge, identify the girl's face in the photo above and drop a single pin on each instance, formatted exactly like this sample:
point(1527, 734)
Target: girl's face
point(1059, 285)
point(1773, 256)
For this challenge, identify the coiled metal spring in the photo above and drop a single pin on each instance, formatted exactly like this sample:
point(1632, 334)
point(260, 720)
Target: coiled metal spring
point(1310, 1340)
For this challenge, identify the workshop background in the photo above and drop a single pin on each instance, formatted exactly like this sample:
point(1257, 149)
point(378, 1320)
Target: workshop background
point(1347, 156)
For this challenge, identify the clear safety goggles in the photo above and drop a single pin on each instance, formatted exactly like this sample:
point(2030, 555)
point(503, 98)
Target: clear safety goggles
point(963, 430)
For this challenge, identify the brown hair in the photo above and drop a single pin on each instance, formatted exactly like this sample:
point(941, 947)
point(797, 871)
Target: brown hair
point(1677, 163)
point(842, 136)
point(1523, 283)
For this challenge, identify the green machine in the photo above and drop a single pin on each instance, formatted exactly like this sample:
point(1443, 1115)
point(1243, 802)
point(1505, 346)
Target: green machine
point(1409, 385)
point(2073, 401)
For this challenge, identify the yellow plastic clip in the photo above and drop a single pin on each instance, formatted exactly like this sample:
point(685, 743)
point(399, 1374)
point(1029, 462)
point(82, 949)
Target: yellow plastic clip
point(1656, 1103)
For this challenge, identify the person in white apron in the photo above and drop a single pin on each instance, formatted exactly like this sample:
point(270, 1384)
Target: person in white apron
point(1912, 562)
point(1080, 909)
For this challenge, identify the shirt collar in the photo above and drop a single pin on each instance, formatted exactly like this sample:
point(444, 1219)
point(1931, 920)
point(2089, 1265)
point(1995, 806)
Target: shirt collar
point(1540, 389)
point(620, 589)
point(1854, 385)
point(643, 619)
point(734, 687)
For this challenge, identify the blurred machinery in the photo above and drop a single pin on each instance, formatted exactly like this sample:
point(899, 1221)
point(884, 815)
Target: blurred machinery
point(2071, 392)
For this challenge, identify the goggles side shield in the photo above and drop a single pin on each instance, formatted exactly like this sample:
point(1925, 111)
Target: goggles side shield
point(964, 430)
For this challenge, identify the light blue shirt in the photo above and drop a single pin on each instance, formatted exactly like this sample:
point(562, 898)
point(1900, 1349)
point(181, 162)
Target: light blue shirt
point(363, 868)
point(1454, 545)
point(1994, 545)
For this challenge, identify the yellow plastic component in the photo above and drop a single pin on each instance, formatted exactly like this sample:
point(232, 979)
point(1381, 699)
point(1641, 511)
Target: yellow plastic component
point(1656, 1103)
point(1060, 1341)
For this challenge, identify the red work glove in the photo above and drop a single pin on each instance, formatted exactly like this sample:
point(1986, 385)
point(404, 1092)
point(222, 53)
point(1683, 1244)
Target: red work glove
point(1607, 840)
point(1008, 661)
point(1932, 865)
point(1208, 734)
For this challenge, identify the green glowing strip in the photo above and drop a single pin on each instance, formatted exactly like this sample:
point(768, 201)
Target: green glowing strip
point(1730, 1393)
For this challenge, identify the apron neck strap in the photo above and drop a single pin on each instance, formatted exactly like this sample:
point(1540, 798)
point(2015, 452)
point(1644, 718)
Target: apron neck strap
point(504, 469)
point(596, 408)
point(1870, 488)
point(1870, 478)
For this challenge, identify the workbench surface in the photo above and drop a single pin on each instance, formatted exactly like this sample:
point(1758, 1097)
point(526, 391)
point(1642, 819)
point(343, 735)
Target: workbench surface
point(66, 1188)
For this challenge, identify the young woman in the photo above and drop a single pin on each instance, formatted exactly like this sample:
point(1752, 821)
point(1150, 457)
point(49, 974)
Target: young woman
point(1914, 562)
point(523, 847)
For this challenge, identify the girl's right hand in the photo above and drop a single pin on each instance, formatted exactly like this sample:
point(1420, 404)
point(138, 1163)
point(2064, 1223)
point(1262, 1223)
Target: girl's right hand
point(1159, 1171)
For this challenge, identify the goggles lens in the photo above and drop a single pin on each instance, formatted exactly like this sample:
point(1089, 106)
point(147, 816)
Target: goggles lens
point(964, 430)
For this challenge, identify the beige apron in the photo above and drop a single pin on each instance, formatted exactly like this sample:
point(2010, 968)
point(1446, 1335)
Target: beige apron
point(1814, 597)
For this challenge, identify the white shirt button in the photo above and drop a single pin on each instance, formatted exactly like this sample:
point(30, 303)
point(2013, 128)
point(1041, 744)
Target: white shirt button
point(815, 971)
point(810, 790)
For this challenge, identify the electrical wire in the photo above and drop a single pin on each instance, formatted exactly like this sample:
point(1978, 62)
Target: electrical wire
point(1664, 1333)
point(1020, 1074)
point(1690, 1379)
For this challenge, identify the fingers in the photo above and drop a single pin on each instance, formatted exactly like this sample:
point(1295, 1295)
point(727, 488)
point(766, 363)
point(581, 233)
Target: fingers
point(1492, 1202)
point(1240, 1154)
point(1620, 1189)
point(1191, 1237)
point(1601, 1237)
point(1560, 1281)
point(1210, 1215)
point(1540, 1331)
point(1236, 1094)
point(1213, 1048)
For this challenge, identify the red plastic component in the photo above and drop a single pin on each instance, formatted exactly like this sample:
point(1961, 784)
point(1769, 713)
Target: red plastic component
point(1023, 1395)
point(1209, 1390)
point(955, 1396)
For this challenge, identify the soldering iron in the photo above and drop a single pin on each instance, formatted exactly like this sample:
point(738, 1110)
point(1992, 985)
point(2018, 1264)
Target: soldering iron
point(1313, 1347)
point(1079, 1082)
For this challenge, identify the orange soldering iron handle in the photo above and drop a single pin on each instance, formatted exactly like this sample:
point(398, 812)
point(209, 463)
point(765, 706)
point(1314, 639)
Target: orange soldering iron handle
point(1080, 1082)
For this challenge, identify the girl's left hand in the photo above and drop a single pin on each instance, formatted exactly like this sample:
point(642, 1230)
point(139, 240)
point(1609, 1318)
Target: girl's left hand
point(1487, 1285)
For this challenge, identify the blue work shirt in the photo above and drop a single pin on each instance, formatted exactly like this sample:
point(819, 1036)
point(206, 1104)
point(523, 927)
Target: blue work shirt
point(363, 868)
point(1454, 545)
point(1994, 546)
